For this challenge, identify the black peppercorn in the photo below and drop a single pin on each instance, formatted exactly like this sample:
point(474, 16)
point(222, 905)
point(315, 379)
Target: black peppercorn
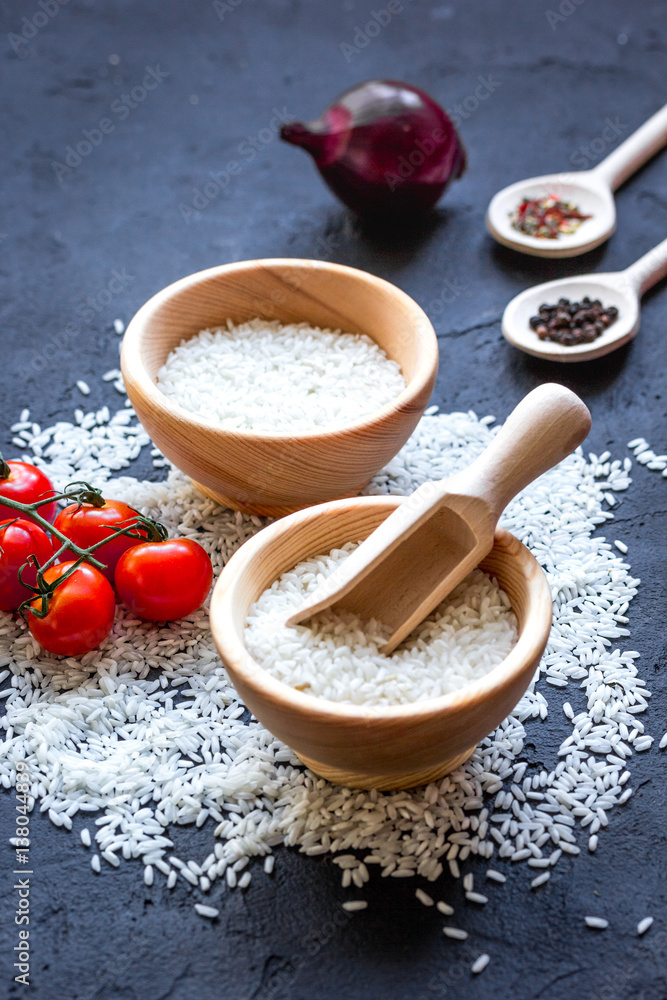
point(572, 323)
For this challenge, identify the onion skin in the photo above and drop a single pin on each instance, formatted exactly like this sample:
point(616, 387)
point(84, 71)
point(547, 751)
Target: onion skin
point(384, 148)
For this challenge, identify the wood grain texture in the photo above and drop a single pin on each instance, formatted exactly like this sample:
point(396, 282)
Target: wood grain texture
point(275, 474)
point(361, 745)
point(444, 529)
point(386, 783)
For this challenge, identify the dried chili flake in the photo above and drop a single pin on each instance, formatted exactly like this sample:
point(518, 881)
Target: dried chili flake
point(547, 218)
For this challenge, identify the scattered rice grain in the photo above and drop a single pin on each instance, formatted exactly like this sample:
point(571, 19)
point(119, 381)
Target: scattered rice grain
point(480, 964)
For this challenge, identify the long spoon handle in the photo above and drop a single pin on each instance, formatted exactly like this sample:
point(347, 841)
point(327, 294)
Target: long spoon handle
point(635, 151)
point(541, 431)
point(648, 270)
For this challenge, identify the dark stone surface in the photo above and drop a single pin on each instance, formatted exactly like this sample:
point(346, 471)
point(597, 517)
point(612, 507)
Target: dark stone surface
point(108, 937)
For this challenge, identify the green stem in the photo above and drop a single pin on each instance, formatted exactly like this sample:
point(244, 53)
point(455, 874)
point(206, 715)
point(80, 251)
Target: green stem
point(30, 510)
point(86, 494)
point(143, 528)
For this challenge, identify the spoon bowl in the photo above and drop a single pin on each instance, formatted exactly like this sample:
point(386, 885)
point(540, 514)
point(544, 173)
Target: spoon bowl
point(622, 289)
point(584, 189)
point(606, 287)
point(591, 191)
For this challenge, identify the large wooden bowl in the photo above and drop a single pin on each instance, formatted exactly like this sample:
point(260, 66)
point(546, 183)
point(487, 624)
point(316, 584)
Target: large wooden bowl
point(277, 473)
point(367, 747)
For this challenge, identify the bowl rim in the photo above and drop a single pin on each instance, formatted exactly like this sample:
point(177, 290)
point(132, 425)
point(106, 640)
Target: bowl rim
point(232, 648)
point(132, 364)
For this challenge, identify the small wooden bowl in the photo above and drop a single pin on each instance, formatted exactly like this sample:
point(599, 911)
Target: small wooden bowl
point(366, 747)
point(278, 473)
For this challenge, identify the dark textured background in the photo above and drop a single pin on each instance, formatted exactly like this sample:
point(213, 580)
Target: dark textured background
point(108, 937)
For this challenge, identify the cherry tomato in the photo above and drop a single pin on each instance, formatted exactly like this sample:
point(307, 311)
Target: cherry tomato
point(26, 483)
point(19, 540)
point(164, 580)
point(80, 612)
point(85, 525)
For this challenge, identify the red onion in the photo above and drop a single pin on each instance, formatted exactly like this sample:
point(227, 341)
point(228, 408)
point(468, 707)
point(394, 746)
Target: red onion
point(383, 147)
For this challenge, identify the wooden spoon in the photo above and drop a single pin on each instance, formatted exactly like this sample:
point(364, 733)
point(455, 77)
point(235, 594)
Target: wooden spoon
point(590, 190)
point(409, 564)
point(622, 289)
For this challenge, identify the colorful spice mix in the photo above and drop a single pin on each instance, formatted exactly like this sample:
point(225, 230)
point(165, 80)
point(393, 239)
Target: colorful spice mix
point(547, 218)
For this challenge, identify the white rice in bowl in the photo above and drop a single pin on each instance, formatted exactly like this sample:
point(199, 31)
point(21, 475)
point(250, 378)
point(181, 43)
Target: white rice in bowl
point(263, 376)
point(338, 657)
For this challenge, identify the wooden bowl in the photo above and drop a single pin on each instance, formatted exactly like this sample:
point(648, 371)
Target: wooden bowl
point(278, 473)
point(367, 747)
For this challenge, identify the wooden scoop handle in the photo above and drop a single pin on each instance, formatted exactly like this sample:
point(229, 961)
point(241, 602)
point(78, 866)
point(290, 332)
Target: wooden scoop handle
point(541, 431)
